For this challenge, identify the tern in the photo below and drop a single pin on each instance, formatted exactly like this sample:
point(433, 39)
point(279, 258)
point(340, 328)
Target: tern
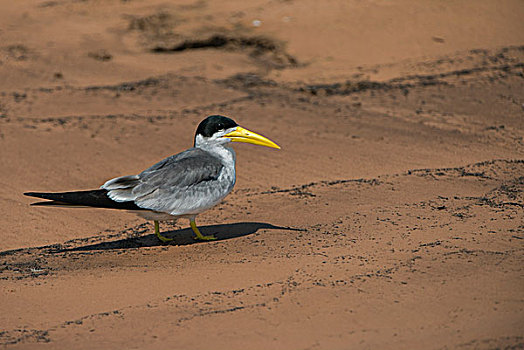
point(180, 186)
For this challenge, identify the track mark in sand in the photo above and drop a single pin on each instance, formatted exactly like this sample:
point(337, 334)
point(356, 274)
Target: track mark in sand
point(510, 193)
point(405, 82)
point(16, 336)
point(182, 308)
point(478, 64)
point(260, 48)
point(142, 86)
point(126, 100)
point(17, 52)
point(300, 190)
point(79, 121)
point(219, 302)
point(161, 33)
point(246, 81)
point(507, 342)
point(489, 169)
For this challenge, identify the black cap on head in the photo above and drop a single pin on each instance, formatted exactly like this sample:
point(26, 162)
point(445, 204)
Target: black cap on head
point(214, 123)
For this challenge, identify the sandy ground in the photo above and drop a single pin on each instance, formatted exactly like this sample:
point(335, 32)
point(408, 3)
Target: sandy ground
point(392, 218)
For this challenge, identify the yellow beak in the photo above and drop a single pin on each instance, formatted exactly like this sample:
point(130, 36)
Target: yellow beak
point(244, 135)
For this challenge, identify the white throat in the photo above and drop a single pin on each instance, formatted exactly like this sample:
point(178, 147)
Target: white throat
point(219, 147)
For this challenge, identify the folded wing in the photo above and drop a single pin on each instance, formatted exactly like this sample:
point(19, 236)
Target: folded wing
point(175, 185)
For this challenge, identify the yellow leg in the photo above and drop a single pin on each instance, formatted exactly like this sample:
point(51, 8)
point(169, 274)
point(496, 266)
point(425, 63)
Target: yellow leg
point(199, 235)
point(160, 237)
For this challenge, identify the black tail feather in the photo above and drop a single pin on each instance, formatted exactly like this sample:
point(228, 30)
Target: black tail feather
point(93, 198)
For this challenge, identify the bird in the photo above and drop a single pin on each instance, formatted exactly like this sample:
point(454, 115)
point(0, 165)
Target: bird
point(180, 186)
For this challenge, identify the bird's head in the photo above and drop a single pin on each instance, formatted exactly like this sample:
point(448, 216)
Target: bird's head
point(217, 129)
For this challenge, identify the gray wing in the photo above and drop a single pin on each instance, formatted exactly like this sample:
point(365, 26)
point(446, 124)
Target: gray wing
point(176, 185)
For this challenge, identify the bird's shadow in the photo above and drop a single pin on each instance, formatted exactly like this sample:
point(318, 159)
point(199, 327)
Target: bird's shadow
point(182, 237)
